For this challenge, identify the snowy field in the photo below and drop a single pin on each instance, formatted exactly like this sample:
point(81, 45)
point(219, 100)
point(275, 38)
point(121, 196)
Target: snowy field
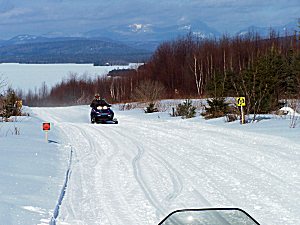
point(140, 170)
point(31, 172)
point(30, 76)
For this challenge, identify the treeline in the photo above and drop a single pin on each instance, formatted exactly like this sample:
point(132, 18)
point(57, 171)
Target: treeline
point(262, 70)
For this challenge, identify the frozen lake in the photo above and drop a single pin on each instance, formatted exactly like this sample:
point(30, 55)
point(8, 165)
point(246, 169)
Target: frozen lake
point(30, 76)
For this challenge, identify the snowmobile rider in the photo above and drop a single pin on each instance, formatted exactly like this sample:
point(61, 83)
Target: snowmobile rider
point(97, 101)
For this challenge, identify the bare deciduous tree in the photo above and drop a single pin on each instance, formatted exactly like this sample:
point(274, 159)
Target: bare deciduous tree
point(198, 74)
point(3, 83)
point(295, 105)
point(149, 91)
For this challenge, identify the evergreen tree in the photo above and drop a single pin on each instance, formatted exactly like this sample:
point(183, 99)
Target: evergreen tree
point(290, 84)
point(262, 83)
point(10, 107)
point(217, 107)
point(186, 110)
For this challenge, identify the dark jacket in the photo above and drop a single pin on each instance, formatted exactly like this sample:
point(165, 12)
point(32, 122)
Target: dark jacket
point(99, 102)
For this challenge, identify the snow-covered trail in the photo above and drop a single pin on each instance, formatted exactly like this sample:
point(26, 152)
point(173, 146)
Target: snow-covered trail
point(140, 170)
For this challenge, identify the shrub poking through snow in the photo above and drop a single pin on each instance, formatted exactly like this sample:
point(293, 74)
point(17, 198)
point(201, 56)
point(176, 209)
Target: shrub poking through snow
point(186, 110)
point(127, 106)
point(151, 108)
point(10, 106)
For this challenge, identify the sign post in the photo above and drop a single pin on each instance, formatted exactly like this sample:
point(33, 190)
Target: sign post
point(46, 128)
point(241, 101)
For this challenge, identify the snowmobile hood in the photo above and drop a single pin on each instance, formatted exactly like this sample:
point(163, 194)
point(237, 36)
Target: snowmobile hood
point(209, 216)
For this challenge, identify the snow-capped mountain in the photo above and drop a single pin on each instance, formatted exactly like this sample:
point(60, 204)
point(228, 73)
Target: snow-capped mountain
point(137, 37)
point(147, 35)
point(150, 36)
point(138, 27)
point(30, 39)
point(24, 38)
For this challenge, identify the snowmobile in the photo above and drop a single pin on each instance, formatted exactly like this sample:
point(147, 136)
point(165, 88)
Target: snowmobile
point(209, 216)
point(103, 114)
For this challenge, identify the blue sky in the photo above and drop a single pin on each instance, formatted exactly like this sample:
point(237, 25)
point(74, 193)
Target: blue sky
point(70, 17)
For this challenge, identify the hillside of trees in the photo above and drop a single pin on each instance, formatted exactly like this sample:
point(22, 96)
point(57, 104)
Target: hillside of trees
point(262, 70)
point(98, 52)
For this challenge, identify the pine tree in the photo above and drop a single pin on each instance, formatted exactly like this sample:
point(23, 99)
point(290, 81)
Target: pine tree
point(217, 107)
point(186, 109)
point(10, 107)
point(291, 82)
point(262, 83)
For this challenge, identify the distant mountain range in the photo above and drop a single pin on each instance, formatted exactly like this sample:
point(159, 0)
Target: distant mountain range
point(114, 45)
point(287, 29)
point(36, 49)
point(149, 36)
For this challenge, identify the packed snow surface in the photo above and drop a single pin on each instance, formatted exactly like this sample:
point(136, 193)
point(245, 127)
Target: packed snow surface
point(31, 172)
point(138, 171)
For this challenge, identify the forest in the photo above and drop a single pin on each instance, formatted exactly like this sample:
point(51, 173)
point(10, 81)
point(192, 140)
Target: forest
point(265, 71)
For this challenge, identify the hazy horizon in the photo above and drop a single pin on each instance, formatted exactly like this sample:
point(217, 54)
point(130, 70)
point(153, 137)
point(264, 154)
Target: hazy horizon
point(71, 18)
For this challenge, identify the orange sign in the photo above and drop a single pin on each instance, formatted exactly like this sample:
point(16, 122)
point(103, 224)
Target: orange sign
point(46, 126)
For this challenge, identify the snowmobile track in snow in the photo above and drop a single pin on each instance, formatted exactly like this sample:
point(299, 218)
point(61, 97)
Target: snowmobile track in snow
point(140, 170)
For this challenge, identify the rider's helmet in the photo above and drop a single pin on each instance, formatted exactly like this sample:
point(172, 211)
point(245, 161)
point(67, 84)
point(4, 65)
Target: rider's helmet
point(97, 96)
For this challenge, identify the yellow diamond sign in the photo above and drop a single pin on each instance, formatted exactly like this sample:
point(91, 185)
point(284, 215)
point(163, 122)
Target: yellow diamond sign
point(241, 101)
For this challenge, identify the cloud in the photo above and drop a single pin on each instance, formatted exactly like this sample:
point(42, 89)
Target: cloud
point(12, 13)
point(5, 6)
point(77, 15)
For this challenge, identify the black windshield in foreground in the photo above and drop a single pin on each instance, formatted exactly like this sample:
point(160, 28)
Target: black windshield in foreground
point(210, 216)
